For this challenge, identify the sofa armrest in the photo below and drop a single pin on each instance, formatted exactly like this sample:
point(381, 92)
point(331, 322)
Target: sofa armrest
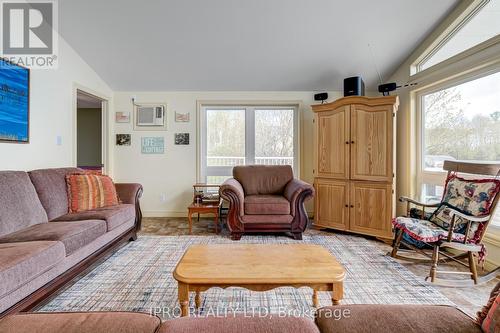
point(293, 191)
point(129, 192)
point(232, 191)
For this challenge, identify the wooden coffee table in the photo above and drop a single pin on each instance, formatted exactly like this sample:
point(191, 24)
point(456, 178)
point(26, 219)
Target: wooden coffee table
point(257, 267)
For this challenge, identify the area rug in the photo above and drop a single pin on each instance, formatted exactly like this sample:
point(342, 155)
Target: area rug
point(138, 277)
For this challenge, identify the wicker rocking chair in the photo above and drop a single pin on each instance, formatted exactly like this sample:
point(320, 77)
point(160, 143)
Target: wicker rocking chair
point(457, 223)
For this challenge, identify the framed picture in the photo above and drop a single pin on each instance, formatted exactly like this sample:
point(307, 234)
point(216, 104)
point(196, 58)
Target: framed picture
point(153, 145)
point(123, 139)
point(122, 117)
point(182, 117)
point(14, 102)
point(181, 138)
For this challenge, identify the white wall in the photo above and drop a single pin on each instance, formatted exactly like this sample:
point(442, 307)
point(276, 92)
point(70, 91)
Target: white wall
point(174, 172)
point(51, 114)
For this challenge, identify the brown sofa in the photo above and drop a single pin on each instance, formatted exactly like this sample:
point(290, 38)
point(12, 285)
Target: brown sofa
point(265, 198)
point(358, 319)
point(41, 245)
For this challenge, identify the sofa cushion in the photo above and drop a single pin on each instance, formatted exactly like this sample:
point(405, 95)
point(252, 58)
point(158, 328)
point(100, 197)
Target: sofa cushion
point(113, 215)
point(21, 262)
point(80, 322)
point(90, 191)
point(382, 318)
point(20, 206)
point(74, 235)
point(267, 219)
point(239, 324)
point(263, 179)
point(50, 184)
point(266, 204)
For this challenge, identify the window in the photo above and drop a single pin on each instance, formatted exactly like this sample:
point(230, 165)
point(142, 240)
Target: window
point(481, 24)
point(460, 122)
point(239, 135)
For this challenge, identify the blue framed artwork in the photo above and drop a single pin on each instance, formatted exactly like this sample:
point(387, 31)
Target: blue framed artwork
point(14, 102)
point(153, 145)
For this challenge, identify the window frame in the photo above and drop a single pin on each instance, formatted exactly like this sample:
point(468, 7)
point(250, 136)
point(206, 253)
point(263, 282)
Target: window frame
point(441, 40)
point(250, 109)
point(439, 177)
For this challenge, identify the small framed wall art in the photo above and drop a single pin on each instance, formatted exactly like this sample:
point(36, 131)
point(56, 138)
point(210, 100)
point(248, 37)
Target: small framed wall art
point(123, 139)
point(122, 117)
point(181, 117)
point(182, 138)
point(153, 145)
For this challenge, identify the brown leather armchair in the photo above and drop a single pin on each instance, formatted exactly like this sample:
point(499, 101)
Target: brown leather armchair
point(266, 198)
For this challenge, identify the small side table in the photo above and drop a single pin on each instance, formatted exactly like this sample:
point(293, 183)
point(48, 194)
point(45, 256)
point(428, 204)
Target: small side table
point(204, 208)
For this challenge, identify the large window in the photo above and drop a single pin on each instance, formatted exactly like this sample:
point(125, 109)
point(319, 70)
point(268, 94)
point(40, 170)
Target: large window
point(481, 24)
point(239, 135)
point(459, 122)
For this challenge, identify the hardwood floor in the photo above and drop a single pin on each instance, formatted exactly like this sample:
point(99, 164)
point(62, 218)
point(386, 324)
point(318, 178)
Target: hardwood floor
point(469, 299)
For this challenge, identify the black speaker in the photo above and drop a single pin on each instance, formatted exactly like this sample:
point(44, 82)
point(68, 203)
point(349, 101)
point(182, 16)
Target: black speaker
point(354, 86)
point(321, 97)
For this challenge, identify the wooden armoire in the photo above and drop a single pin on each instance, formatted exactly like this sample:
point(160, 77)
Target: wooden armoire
point(354, 167)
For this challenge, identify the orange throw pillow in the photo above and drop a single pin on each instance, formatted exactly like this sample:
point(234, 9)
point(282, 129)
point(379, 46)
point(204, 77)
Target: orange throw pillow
point(90, 191)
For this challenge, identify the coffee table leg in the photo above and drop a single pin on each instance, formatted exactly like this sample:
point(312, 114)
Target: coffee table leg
point(184, 299)
point(315, 299)
point(337, 293)
point(197, 300)
point(190, 223)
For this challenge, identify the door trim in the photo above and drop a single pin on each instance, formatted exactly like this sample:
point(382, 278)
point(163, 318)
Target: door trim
point(105, 124)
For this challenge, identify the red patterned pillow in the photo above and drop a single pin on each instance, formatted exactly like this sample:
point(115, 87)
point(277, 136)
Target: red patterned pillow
point(489, 316)
point(90, 191)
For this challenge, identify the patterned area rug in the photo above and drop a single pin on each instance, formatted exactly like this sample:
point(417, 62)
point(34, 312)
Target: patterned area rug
point(138, 277)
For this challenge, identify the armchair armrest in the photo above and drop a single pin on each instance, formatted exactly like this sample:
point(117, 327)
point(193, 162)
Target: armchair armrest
point(297, 189)
point(129, 192)
point(471, 218)
point(415, 202)
point(410, 201)
point(232, 191)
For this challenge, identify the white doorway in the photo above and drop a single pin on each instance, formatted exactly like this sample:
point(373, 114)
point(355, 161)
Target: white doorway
point(91, 132)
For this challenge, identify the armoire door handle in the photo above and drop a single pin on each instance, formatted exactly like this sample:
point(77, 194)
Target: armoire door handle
point(352, 206)
point(352, 141)
point(346, 206)
point(347, 142)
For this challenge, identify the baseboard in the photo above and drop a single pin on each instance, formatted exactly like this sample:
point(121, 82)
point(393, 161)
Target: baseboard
point(170, 213)
point(164, 213)
point(492, 242)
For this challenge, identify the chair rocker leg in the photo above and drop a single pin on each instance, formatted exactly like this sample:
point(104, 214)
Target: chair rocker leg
point(472, 266)
point(435, 259)
point(396, 243)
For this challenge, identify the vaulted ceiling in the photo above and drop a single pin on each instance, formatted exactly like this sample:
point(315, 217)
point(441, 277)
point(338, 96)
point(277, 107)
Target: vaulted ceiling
point(217, 45)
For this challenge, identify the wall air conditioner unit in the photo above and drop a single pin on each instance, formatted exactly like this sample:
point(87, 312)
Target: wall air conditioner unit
point(150, 115)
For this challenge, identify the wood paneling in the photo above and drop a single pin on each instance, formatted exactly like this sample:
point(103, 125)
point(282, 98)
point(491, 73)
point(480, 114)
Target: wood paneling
point(332, 202)
point(371, 143)
point(332, 149)
point(371, 208)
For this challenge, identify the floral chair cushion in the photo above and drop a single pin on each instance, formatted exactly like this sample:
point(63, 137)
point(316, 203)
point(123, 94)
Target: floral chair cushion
point(423, 230)
point(470, 196)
